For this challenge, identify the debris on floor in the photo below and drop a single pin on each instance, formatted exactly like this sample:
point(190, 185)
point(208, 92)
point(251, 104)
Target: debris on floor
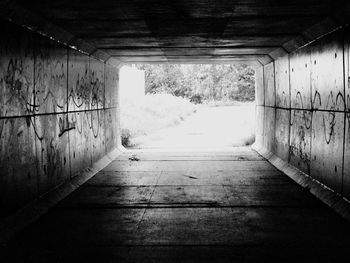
point(191, 177)
point(134, 158)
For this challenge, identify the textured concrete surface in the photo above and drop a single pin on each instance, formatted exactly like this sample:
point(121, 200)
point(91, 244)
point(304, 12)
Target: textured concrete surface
point(282, 130)
point(310, 111)
point(171, 207)
point(269, 84)
point(282, 82)
point(269, 128)
point(260, 105)
point(54, 118)
point(300, 79)
point(196, 30)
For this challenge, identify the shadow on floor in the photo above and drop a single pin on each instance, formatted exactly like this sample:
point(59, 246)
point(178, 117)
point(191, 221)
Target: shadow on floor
point(220, 206)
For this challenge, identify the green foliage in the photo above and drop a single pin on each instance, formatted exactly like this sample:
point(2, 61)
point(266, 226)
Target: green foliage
point(205, 82)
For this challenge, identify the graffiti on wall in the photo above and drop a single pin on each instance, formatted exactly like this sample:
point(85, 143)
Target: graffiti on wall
point(36, 87)
point(16, 82)
point(300, 138)
point(97, 84)
point(79, 94)
point(332, 102)
point(50, 80)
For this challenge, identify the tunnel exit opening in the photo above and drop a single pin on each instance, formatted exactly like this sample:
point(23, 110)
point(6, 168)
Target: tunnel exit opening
point(187, 105)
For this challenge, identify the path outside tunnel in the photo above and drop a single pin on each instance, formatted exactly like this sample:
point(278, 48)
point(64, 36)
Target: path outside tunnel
point(209, 127)
point(218, 206)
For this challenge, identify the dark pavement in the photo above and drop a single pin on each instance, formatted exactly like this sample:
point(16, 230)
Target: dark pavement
point(222, 206)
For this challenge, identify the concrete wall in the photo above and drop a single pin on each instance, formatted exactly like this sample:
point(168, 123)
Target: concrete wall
point(131, 83)
point(58, 114)
point(303, 110)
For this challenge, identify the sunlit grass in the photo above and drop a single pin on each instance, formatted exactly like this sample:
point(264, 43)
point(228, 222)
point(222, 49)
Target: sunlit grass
point(150, 113)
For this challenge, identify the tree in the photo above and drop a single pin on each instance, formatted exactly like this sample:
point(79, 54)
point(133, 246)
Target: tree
point(207, 81)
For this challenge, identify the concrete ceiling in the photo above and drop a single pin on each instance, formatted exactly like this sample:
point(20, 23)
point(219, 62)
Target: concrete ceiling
point(190, 30)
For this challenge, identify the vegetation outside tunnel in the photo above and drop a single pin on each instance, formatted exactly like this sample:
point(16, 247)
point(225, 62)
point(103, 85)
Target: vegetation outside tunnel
point(172, 90)
point(201, 82)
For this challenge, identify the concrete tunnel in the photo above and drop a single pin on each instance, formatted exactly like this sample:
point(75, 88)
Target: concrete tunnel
point(59, 115)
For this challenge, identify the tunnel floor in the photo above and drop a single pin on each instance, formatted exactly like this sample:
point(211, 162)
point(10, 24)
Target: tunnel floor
point(221, 206)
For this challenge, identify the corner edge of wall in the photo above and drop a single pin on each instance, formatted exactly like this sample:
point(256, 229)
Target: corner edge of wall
point(329, 197)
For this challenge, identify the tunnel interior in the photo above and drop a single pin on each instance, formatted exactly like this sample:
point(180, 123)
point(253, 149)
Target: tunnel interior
point(59, 62)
